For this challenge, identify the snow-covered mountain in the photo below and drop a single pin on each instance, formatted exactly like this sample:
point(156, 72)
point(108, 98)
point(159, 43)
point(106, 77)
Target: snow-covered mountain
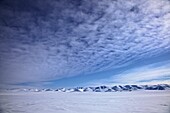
point(101, 88)
point(119, 88)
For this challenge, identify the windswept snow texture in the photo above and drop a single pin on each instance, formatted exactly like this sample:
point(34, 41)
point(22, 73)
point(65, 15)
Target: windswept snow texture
point(55, 102)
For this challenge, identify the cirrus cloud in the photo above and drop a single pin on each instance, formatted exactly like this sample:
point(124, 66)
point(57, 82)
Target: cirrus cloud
point(46, 40)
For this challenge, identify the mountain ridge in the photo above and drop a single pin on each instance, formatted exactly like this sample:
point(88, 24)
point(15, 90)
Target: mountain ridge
point(102, 88)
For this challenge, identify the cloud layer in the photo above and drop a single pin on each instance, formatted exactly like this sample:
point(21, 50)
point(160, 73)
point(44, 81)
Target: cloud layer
point(46, 40)
point(156, 73)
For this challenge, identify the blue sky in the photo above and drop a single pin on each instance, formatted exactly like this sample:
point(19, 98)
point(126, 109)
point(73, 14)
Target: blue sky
point(81, 43)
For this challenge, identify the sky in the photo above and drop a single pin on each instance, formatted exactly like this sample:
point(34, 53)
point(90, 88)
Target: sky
point(68, 43)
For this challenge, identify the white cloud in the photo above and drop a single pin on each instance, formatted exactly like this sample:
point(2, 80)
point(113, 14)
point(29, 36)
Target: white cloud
point(55, 39)
point(149, 74)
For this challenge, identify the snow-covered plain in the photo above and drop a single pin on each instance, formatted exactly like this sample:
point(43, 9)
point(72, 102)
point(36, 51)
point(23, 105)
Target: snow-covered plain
point(87, 102)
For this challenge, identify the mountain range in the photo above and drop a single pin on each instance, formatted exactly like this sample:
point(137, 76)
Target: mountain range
point(102, 88)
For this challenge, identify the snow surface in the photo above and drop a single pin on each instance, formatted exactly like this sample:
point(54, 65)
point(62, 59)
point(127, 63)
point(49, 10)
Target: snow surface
point(89, 102)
